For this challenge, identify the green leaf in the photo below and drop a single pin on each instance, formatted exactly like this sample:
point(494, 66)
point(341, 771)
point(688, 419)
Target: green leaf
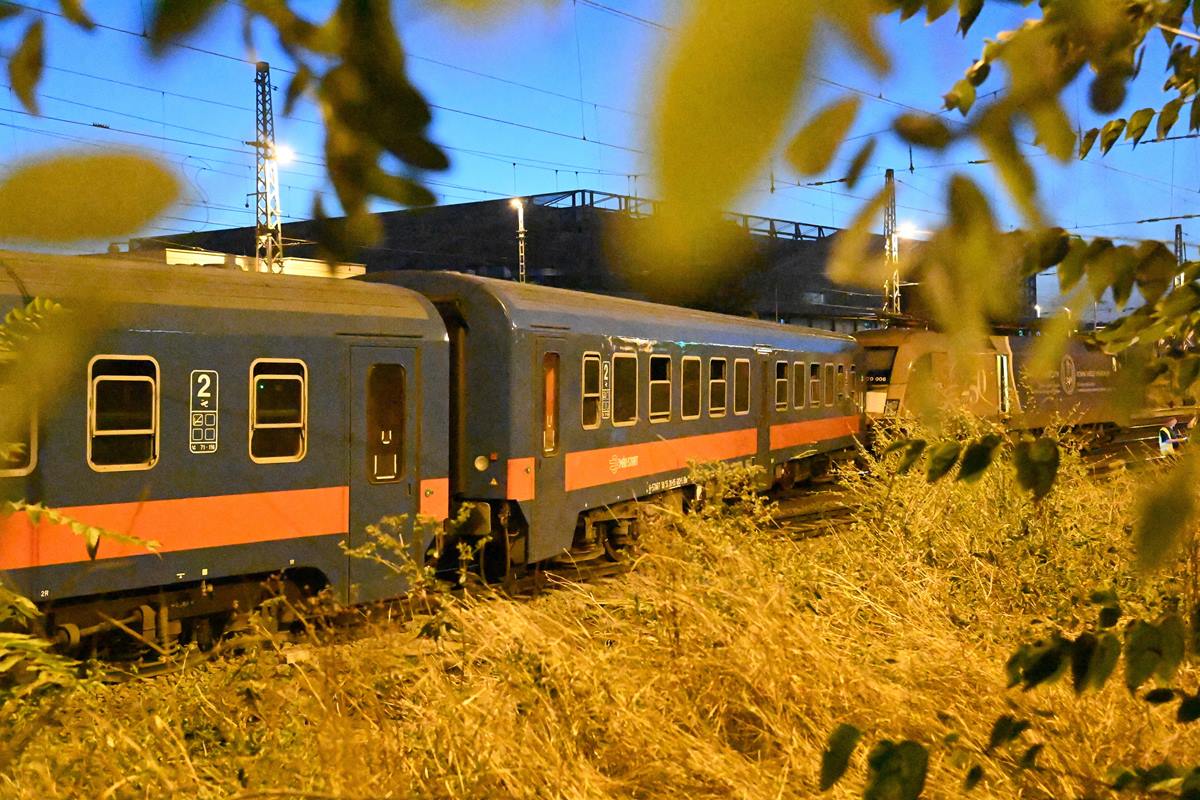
point(859, 162)
point(1109, 616)
point(1194, 114)
point(978, 72)
point(1104, 662)
point(1143, 652)
point(924, 130)
point(1167, 117)
point(977, 458)
point(1110, 133)
point(1005, 729)
point(1164, 512)
point(896, 771)
point(729, 85)
point(1085, 144)
point(1046, 662)
point(1029, 758)
point(941, 459)
point(974, 776)
point(960, 96)
point(91, 538)
point(935, 9)
point(1170, 627)
point(998, 140)
point(1189, 709)
point(911, 453)
point(1083, 651)
point(836, 757)
point(300, 83)
point(968, 10)
point(25, 66)
point(73, 11)
point(83, 197)
point(1037, 465)
point(175, 19)
point(1070, 269)
point(1053, 128)
point(813, 148)
point(1156, 697)
point(1138, 123)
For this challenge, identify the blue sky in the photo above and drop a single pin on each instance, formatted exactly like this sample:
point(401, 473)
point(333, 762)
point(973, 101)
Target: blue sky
point(547, 96)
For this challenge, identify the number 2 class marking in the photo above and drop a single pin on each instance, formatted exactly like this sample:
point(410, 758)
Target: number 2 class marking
point(203, 414)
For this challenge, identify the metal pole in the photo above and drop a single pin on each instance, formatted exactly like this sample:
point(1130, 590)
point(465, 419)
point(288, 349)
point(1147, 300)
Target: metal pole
point(268, 230)
point(1180, 254)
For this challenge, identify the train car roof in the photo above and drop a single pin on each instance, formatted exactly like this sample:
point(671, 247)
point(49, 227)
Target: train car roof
point(545, 309)
point(351, 306)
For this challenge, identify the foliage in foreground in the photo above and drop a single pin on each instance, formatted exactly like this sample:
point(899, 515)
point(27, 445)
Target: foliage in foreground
point(717, 667)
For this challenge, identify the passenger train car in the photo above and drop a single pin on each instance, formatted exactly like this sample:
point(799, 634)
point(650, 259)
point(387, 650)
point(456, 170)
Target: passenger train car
point(252, 423)
point(565, 407)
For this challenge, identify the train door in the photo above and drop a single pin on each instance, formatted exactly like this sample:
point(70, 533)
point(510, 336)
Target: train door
point(384, 441)
point(548, 403)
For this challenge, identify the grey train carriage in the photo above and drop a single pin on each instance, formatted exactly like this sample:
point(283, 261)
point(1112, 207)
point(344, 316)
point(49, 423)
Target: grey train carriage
point(248, 423)
point(564, 407)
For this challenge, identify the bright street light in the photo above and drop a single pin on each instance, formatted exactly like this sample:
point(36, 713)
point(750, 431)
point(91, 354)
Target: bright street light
point(284, 154)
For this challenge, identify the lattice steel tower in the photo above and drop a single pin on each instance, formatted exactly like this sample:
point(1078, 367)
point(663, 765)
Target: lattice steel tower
point(891, 244)
point(268, 232)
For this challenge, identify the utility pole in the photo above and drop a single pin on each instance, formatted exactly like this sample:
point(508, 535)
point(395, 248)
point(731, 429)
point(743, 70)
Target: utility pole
point(891, 244)
point(1180, 254)
point(268, 231)
point(519, 205)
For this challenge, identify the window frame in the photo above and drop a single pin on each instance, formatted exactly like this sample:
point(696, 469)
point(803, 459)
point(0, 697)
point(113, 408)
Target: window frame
point(840, 383)
point(595, 357)
point(651, 382)
point(852, 383)
point(253, 407)
point(787, 396)
point(155, 431)
point(749, 387)
point(556, 420)
point(799, 387)
point(827, 383)
point(626, 355)
point(724, 381)
point(20, 472)
point(402, 456)
point(815, 383)
point(699, 387)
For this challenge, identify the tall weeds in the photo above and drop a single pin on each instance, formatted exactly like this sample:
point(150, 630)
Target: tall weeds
point(715, 668)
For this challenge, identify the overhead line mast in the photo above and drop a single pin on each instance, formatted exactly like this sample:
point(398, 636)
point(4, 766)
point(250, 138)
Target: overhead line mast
point(891, 244)
point(268, 230)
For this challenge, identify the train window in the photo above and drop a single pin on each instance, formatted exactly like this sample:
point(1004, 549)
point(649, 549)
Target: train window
point(122, 413)
point(741, 386)
point(18, 441)
point(841, 382)
point(625, 389)
point(689, 393)
point(591, 391)
point(278, 410)
point(814, 384)
point(717, 382)
point(855, 395)
point(798, 384)
point(829, 387)
point(549, 403)
point(781, 385)
point(660, 388)
point(878, 368)
point(385, 423)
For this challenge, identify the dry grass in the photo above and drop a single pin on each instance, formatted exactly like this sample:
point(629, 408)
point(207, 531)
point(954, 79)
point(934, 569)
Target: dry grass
point(715, 669)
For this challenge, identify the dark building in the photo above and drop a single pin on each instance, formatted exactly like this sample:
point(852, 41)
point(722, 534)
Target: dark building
point(776, 270)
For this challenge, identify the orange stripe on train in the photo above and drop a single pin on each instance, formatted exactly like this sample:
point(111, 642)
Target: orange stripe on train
point(587, 468)
point(182, 524)
point(814, 430)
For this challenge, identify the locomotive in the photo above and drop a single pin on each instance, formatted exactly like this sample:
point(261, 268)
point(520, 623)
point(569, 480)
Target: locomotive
point(996, 382)
point(254, 425)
